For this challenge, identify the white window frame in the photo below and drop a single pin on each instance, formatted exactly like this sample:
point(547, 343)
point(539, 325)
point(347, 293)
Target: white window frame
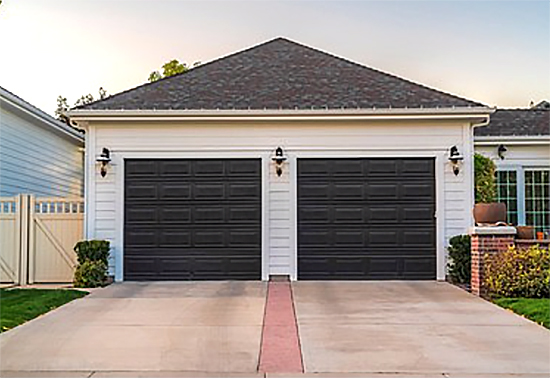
point(520, 182)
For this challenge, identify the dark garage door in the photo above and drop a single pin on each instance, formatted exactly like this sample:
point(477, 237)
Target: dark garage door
point(192, 219)
point(366, 219)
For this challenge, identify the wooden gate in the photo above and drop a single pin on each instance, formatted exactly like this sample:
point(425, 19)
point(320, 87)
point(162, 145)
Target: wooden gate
point(38, 236)
point(10, 239)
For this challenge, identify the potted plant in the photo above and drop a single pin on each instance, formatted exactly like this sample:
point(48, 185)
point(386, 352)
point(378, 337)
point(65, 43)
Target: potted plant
point(486, 210)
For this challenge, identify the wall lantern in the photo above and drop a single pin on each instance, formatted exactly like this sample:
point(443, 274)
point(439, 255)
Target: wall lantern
point(104, 158)
point(279, 159)
point(501, 150)
point(455, 158)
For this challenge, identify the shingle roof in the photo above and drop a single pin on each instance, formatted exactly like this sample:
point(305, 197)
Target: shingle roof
point(280, 74)
point(517, 122)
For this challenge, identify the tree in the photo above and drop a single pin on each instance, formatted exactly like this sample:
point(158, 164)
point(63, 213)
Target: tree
point(62, 107)
point(170, 68)
point(63, 104)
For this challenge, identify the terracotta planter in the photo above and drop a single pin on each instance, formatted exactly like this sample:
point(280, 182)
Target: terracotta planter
point(490, 213)
point(525, 232)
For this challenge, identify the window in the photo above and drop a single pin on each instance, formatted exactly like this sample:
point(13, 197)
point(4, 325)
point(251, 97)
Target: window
point(537, 199)
point(507, 193)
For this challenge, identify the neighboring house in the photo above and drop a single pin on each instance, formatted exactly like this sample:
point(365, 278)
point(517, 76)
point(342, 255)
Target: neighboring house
point(518, 140)
point(38, 154)
point(367, 189)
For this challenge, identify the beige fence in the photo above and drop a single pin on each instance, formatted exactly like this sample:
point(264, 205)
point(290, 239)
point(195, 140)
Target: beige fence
point(37, 236)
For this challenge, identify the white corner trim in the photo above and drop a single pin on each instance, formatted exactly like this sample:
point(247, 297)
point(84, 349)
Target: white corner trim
point(488, 230)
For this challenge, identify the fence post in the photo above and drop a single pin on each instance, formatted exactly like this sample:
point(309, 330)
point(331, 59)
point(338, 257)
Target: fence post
point(24, 239)
point(32, 245)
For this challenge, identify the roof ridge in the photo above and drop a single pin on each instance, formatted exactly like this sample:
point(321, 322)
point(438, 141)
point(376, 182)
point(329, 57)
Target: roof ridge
point(186, 72)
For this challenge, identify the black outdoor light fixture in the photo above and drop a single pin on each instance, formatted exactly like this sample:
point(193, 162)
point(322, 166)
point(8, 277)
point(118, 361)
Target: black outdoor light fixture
point(455, 158)
point(104, 158)
point(279, 159)
point(501, 150)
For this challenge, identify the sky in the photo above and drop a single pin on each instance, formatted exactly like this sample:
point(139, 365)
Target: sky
point(494, 52)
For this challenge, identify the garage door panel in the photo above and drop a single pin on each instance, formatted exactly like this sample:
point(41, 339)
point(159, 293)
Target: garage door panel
point(243, 168)
point(424, 167)
point(176, 168)
point(142, 168)
point(174, 214)
point(366, 218)
point(142, 215)
point(205, 222)
point(175, 238)
point(244, 214)
point(382, 191)
point(174, 191)
point(208, 168)
point(345, 214)
point(146, 191)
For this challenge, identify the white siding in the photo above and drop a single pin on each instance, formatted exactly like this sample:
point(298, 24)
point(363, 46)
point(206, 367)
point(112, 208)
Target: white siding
point(374, 139)
point(518, 155)
point(36, 161)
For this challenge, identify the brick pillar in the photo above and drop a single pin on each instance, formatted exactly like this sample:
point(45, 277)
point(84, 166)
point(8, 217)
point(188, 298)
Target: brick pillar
point(487, 241)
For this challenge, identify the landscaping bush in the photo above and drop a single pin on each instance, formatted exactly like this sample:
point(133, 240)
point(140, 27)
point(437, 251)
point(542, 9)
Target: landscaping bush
point(92, 250)
point(92, 256)
point(459, 266)
point(519, 273)
point(485, 184)
point(90, 274)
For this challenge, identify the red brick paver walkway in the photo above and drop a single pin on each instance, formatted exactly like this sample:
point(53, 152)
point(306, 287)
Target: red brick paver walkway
point(280, 350)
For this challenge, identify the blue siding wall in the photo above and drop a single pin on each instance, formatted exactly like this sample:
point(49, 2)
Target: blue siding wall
point(34, 160)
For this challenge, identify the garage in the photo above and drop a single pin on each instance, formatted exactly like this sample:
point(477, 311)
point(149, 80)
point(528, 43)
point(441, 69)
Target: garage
point(192, 219)
point(366, 219)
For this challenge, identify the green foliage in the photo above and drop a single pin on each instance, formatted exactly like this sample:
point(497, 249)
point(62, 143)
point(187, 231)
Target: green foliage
point(519, 272)
point(92, 266)
point(170, 68)
point(537, 310)
point(90, 274)
point(63, 103)
point(21, 305)
point(485, 185)
point(460, 259)
point(92, 250)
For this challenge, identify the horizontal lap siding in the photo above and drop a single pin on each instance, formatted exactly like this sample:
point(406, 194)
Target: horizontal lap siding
point(36, 161)
point(324, 139)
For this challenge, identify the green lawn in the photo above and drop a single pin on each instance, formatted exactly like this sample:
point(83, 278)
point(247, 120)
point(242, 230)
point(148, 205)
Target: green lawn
point(20, 305)
point(537, 310)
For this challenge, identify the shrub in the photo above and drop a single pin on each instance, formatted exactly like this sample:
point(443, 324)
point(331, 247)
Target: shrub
point(485, 185)
point(90, 274)
point(459, 266)
point(92, 256)
point(92, 250)
point(519, 273)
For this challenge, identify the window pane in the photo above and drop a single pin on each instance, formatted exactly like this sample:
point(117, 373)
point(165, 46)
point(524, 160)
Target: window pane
point(537, 201)
point(507, 193)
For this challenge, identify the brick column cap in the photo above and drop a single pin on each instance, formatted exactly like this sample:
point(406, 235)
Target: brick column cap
point(492, 230)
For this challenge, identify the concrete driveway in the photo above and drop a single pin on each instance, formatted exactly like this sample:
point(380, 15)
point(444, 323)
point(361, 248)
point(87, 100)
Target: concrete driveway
point(208, 327)
point(426, 328)
point(346, 329)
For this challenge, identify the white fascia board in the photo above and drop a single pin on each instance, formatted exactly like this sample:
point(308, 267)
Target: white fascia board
point(44, 120)
point(512, 140)
point(473, 114)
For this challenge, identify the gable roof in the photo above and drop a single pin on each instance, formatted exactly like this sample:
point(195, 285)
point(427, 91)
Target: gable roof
point(280, 74)
point(22, 108)
point(517, 122)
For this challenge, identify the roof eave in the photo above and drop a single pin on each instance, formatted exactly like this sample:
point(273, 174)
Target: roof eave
point(471, 113)
point(490, 140)
point(44, 119)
